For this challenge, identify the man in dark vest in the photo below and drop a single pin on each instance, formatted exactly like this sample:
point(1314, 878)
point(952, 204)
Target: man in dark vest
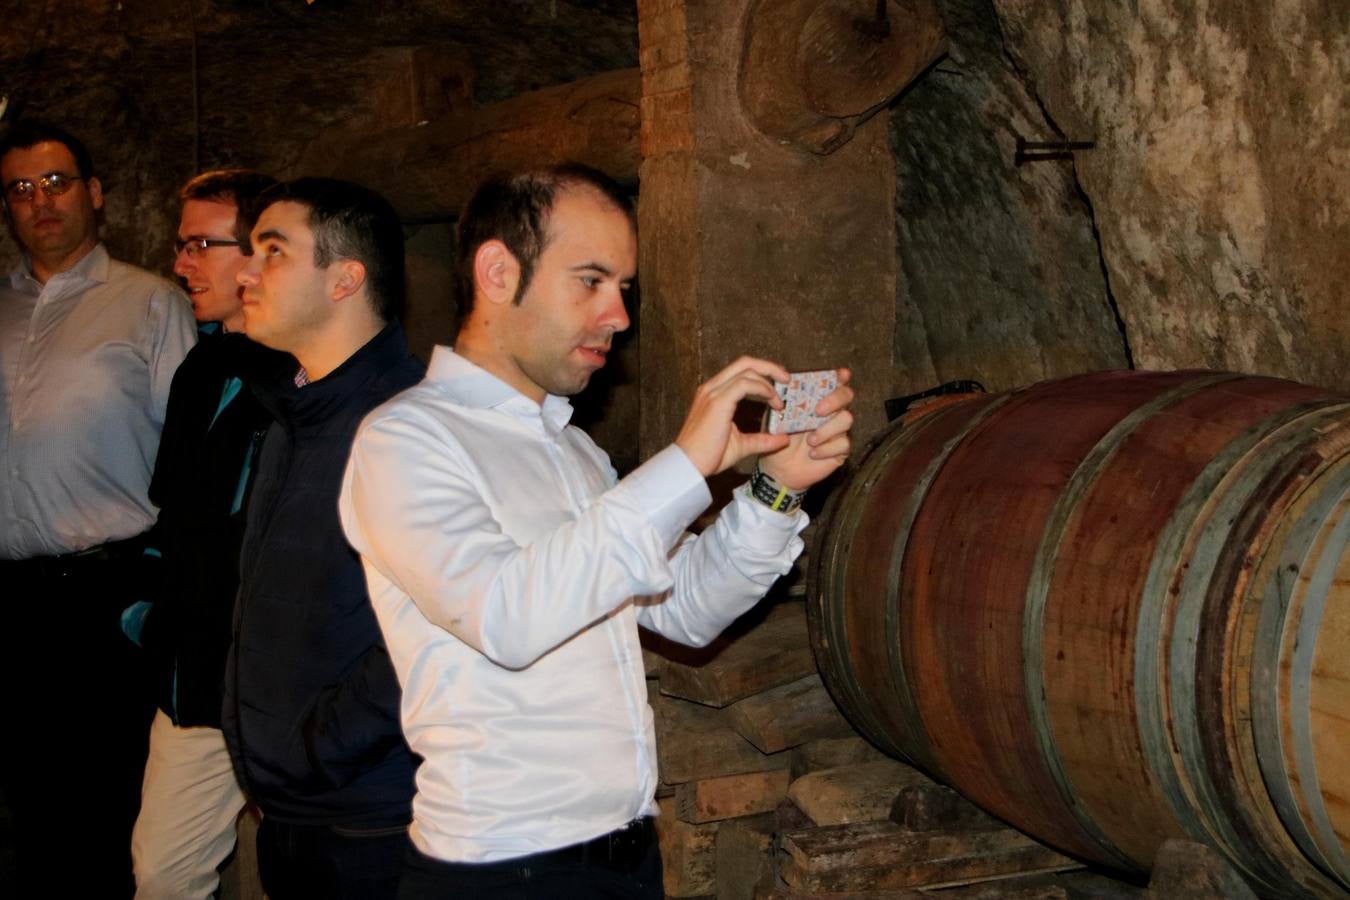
point(312, 702)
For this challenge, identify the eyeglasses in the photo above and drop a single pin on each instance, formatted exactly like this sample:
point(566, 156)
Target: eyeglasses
point(195, 245)
point(53, 184)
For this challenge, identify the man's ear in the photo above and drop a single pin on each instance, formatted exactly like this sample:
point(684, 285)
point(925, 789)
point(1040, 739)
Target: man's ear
point(496, 272)
point(349, 277)
point(95, 188)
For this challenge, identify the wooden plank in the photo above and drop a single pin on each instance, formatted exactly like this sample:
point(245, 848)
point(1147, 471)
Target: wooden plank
point(745, 857)
point(859, 793)
point(933, 807)
point(1191, 870)
point(788, 715)
point(844, 895)
point(688, 854)
point(694, 742)
point(789, 817)
point(826, 753)
point(978, 892)
point(877, 855)
point(751, 657)
point(730, 796)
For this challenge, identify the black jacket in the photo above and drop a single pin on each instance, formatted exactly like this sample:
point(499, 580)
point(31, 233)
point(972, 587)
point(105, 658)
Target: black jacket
point(311, 711)
point(212, 427)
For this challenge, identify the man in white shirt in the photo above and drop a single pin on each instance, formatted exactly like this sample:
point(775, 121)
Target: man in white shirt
point(88, 347)
point(509, 567)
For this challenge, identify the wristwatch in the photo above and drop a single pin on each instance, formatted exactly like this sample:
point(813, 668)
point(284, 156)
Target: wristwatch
point(772, 494)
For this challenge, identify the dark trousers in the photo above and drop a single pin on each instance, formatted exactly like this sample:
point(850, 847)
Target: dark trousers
point(333, 862)
point(611, 867)
point(77, 706)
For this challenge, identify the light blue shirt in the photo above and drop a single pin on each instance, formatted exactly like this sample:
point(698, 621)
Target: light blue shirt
point(85, 365)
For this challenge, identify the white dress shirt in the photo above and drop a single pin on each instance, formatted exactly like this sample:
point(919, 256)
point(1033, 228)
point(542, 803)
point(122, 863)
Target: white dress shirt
point(85, 365)
point(509, 569)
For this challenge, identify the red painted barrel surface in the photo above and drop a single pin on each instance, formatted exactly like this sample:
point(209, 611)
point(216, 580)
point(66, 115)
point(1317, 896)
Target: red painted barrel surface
point(1111, 609)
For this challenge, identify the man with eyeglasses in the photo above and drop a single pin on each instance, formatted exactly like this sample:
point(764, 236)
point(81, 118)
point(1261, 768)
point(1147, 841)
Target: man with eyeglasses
point(88, 347)
point(212, 431)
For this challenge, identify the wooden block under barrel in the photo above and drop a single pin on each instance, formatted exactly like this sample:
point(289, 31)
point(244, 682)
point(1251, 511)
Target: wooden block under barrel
point(859, 793)
point(688, 854)
point(745, 856)
point(741, 663)
point(974, 892)
point(932, 807)
point(826, 753)
point(695, 741)
point(730, 796)
point(1186, 869)
point(876, 855)
point(788, 715)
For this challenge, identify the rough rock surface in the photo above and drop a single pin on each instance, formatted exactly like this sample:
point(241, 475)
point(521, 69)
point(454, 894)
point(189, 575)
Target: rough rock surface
point(1001, 277)
point(1221, 170)
point(270, 77)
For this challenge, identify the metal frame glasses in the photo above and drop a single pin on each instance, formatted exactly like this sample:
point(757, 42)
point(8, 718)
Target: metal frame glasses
point(53, 184)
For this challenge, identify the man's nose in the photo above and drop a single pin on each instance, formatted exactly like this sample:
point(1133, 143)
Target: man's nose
point(184, 265)
point(247, 274)
point(615, 315)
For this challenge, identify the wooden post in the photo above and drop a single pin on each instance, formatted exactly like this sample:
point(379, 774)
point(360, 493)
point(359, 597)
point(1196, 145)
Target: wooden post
point(751, 243)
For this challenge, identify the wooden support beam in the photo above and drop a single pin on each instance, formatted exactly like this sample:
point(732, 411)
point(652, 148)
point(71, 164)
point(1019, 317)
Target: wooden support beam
point(774, 652)
point(879, 855)
point(813, 70)
point(427, 171)
point(788, 715)
point(745, 857)
point(826, 753)
point(932, 807)
point(750, 245)
point(730, 796)
point(694, 742)
point(857, 793)
point(1187, 869)
point(688, 854)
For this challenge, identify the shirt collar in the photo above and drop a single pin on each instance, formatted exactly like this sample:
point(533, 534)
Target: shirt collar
point(472, 386)
point(92, 268)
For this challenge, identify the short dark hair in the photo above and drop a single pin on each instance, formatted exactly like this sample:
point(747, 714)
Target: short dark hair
point(241, 187)
point(351, 222)
point(514, 208)
point(27, 133)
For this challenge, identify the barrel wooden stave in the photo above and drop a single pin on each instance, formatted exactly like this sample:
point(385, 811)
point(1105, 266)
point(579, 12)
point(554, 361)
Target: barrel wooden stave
point(1091, 640)
point(1068, 767)
point(966, 610)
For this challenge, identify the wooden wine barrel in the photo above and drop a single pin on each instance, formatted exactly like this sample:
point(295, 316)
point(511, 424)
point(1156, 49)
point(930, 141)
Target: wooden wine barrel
point(1111, 609)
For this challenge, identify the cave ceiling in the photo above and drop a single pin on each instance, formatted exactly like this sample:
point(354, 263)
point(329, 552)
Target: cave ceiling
point(514, 45)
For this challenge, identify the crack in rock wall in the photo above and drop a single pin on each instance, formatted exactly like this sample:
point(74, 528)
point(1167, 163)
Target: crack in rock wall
point(1001, 276)
point(1221, 169)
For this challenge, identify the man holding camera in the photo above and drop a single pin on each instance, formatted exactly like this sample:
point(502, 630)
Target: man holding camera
point(509, 567)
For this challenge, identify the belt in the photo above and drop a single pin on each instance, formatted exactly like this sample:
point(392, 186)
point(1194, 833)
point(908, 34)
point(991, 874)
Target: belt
point(623, 849)
point(65, 565)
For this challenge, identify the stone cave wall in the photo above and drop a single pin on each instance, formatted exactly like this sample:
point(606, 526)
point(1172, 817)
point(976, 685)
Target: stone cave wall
point(270, 77)
point(1206, 228)
point(1217, 189)
point(1001, 279)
